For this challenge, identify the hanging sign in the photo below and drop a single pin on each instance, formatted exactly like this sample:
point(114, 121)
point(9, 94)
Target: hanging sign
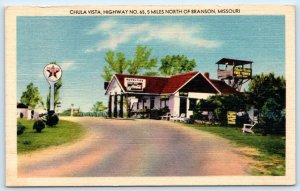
point(242, 72)
point(134, 84)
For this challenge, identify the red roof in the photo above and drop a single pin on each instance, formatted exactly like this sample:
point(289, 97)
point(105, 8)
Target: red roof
point(223, 87)
point(176, 81)
point(154, 84)
point(170, 85)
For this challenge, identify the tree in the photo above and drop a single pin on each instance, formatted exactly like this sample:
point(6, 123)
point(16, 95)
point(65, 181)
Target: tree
point(273, 116)
point(264, 86)
point(141, 60)
point(220, 104)
point(31, 97)
point(98, 106)
point(175, 64)
point(57, 87)
point(151, 73)
point(117, 63)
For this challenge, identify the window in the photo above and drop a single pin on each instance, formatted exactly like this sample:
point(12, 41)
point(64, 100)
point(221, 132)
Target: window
point(193, 103)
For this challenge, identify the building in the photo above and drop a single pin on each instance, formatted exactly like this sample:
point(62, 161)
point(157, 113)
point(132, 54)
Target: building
point(22, 111)
point(179, 93)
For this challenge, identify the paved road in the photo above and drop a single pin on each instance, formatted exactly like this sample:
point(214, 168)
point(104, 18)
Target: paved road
point(136, 148)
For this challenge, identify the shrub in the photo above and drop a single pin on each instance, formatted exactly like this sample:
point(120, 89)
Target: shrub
point(273, 117)
point(52, 119)
point(38, 125)
point(20, 128)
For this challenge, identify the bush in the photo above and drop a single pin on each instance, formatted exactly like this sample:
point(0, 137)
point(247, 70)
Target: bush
point(20, 128)
point(273, 117)
point(52, 119)
point(38, 125)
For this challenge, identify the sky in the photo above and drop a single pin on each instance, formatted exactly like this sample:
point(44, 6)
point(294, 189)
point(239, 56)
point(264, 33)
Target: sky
point(78, 44)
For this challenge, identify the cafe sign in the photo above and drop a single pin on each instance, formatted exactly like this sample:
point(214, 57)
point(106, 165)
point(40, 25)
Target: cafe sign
point(134, 84)
point(241, 72)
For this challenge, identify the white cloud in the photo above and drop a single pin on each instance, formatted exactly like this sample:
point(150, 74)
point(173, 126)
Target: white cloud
point(104, 26)
point(68, 65)
point(119, 33)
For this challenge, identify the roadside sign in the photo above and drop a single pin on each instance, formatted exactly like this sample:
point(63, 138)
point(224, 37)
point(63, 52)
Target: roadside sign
point(52, 72)
point(231, 117)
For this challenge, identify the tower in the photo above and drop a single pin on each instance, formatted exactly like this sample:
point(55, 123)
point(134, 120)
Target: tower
point(234, 72)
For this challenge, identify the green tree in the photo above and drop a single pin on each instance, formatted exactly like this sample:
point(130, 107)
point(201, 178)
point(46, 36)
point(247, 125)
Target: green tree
point(31, 97)
point(117, 63)
point(175, 64)
point(264, 86)
point(107, 75)
point(141, 60)
point(57, 87)
point(98, 106)
point(220, 104)
point(151, 73)
point(273, 116)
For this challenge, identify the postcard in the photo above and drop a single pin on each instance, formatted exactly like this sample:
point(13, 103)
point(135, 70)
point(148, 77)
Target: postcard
point(150, 95)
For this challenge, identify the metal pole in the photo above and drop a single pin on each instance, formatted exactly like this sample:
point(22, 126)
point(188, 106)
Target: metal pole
point(52, 96)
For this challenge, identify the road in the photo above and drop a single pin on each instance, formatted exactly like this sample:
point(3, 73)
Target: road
point(136, 148)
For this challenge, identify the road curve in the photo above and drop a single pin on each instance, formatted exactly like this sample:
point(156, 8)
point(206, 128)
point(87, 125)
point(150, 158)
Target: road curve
point(136, 148)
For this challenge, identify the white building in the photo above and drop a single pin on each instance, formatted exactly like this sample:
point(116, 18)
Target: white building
point(179, 93)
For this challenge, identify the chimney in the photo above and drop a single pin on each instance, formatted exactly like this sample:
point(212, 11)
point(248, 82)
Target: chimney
point(206, 74)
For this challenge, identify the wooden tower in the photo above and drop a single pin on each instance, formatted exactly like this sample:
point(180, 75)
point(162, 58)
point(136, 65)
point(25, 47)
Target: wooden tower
point(234, 72)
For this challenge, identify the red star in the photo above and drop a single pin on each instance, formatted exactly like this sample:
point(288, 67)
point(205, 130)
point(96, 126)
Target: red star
point(52, 71)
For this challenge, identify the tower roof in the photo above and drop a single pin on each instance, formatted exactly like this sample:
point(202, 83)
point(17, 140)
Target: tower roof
point(235, 62)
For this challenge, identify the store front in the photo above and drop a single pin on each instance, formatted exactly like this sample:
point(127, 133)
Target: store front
point(177, 94)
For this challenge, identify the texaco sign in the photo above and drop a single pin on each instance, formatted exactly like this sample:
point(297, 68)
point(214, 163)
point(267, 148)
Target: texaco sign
point(52, 72)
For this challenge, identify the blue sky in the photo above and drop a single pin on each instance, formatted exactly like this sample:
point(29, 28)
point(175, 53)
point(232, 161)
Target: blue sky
point(79, 44)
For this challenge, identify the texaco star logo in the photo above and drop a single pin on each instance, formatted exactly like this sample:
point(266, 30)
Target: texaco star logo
point(52, 72)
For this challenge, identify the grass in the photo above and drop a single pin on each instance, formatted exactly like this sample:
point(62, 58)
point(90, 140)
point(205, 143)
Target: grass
point(271, 148)
point(64, 132)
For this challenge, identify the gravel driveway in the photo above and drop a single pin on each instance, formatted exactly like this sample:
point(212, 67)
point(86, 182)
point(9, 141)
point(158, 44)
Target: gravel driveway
point(136, 148)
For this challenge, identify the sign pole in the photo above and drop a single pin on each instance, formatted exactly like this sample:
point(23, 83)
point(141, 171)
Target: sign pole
point(52, 84)
point(52, 73)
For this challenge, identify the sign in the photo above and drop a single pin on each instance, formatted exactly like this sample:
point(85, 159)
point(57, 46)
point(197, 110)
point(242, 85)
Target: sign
point(134, 84)
point(52, 72)
point(231, 117)
point(242, 72)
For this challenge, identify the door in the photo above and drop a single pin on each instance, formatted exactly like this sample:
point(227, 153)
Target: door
point(182, 105)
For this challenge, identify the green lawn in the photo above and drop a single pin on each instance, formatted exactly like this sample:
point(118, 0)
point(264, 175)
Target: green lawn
point(64, 132)
point(271, 148)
